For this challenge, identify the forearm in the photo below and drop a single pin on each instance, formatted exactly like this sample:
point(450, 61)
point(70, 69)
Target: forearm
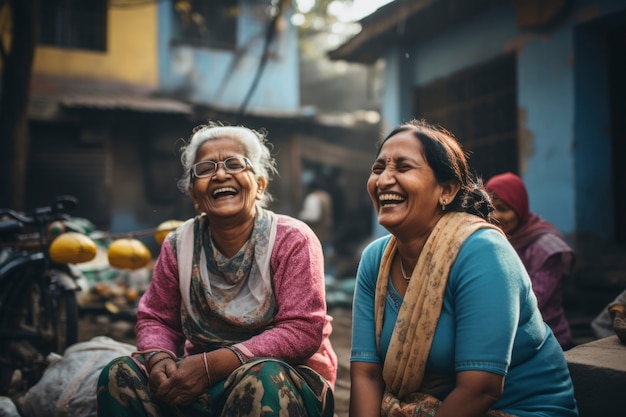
point(293, 340)
point(153, 335)
point(158, 314)
point(474, 395)
point(220, 363)
point(366, 390)
point(460, 403)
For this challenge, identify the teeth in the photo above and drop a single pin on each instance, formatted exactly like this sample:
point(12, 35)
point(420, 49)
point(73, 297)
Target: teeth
point(387, 199)
point(390, 197)
point(224, 190)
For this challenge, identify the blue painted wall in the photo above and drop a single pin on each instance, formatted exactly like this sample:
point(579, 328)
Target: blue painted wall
point(562, 102)
point(545, 97)
point(209, 76)
point(592, 132)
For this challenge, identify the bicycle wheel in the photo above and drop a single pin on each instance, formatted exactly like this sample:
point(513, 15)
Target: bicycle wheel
point(64, 326)
point(58, 325)
point(20, 314)
point(45, 315)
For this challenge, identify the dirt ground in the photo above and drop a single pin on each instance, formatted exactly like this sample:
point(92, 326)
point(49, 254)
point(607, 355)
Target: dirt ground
point(94, 324)
point(340, 338)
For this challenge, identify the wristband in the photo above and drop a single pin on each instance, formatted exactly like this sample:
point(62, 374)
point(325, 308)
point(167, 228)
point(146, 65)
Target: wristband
point(150, 355)
point(237, 353)
point(160, 360)
point(206, 368)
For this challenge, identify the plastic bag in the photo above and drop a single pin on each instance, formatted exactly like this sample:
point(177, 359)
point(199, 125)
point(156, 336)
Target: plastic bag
point(68, 386)
point(7, 408)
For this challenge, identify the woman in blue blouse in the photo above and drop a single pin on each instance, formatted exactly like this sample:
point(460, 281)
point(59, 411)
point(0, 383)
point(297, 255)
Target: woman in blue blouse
point(445, 322)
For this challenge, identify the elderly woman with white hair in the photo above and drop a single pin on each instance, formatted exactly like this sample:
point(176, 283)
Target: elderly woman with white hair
point(234, 322)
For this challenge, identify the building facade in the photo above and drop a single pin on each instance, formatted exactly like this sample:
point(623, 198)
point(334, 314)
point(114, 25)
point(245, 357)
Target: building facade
point(533, 87)
point(118, 86)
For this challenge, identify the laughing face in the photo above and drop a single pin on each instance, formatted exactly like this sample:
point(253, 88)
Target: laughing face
point(225, 194)
point(402, 186)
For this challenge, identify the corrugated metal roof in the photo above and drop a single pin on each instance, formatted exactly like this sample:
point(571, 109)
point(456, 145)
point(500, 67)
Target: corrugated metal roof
point(42, 108)
point(51, 106)
point(125, 102)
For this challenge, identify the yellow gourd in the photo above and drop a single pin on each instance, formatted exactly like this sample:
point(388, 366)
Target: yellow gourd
point(128, 254)
point(164, 228)
point(72, 247)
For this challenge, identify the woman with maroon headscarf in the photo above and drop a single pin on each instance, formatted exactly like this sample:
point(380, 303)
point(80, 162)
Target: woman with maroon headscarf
point(542, 248)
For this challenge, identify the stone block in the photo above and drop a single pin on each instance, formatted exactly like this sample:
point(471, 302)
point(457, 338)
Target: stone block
point(598, 371)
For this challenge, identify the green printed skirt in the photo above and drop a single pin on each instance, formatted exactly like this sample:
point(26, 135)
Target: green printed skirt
point(260, 387)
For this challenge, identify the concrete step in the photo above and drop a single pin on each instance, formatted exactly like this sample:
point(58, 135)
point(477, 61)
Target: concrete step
point(598, 371)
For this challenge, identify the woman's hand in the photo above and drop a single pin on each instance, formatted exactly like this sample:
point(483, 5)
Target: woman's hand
point(192, 377)
point(185, 383)
point(161, 367)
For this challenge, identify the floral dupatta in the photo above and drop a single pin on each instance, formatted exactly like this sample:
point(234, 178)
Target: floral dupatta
point(413, 334)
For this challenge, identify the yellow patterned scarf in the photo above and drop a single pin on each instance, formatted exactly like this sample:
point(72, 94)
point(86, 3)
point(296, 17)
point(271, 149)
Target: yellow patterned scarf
point(412, 337)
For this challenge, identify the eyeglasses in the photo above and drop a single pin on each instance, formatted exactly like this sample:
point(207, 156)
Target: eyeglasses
point(232, 165)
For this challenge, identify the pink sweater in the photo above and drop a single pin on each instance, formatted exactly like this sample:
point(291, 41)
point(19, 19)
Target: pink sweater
point(302, 326)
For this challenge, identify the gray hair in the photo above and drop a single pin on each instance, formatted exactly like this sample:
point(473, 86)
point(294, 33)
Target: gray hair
point(254, 143)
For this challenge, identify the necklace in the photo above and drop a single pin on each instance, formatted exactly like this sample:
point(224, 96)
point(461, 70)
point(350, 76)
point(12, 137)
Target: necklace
point(407, 279)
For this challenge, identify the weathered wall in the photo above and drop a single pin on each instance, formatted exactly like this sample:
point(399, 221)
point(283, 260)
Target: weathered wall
point(562, 102)
point(130, 57)
point(222, 78)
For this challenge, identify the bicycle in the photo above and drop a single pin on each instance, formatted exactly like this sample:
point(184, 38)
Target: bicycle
point(38, 305)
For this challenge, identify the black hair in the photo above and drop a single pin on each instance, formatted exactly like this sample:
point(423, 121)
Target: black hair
point(449, 162)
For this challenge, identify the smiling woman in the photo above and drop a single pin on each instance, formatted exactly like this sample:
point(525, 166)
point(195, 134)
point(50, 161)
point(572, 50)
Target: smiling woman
point(239, 290)
point(426, 293)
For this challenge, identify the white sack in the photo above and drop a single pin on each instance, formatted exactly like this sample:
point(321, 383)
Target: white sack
point(68, 386)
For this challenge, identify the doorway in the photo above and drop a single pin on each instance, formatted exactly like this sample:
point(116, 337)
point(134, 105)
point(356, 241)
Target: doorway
point(617, 82)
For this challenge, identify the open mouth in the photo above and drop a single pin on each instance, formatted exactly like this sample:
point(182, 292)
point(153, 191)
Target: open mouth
point(224, 192)
point(390, 199)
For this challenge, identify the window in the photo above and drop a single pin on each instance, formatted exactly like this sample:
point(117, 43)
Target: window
point(61, 162)
point(77, 24)
point(479, 106)
point(206, 23)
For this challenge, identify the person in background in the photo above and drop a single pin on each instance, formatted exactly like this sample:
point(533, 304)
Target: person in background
point(317, 212)
point(445, 322)
point(603, 325)
point(234, 322)
point(543, 250)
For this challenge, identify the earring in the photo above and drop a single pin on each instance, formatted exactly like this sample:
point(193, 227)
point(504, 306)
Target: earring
point(443, 206)
point(196, 206)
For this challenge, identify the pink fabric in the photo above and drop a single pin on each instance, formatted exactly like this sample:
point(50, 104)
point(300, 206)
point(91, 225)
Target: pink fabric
point(547, 260)
point(302, 330)
point(529, 231)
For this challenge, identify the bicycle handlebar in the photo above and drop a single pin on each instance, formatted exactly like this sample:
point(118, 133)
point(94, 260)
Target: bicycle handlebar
point(55, 211)
point(41, 216)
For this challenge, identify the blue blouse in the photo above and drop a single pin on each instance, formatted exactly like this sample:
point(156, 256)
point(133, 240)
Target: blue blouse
point(489, 322)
